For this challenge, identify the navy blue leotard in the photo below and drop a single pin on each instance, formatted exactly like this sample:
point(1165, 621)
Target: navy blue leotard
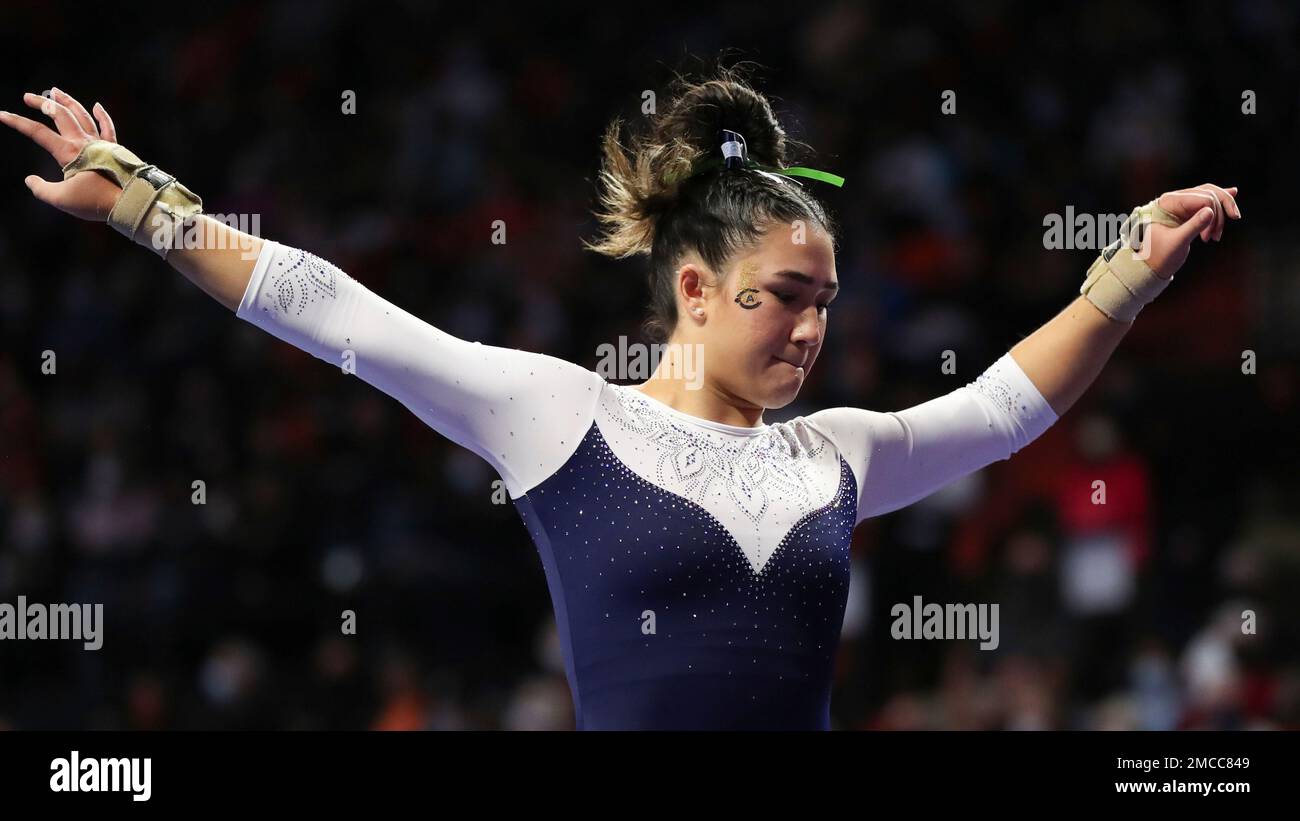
point(698, 570)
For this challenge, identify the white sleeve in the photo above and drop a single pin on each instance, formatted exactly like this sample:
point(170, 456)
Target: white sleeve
point(525, 413)
point(900, 457)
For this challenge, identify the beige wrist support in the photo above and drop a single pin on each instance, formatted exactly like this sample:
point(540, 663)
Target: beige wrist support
point(1119, 282)
point(153, 206)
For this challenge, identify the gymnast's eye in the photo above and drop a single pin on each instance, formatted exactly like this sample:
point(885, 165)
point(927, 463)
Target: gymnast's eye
point(785, 298)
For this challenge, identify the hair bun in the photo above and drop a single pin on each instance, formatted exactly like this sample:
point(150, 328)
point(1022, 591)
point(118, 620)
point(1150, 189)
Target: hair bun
point(699, 112)
point(641, 184)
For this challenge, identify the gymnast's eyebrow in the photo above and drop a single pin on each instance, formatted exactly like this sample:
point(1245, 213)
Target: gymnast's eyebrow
point(800, 276)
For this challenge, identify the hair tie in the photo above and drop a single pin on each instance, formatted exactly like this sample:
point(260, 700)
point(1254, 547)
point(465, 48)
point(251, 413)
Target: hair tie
point(735, 155)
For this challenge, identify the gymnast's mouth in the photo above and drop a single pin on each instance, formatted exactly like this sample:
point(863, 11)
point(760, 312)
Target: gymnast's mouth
point(800, 364)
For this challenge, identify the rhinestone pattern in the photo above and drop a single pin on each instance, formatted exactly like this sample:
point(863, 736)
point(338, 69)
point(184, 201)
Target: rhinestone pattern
point(751, 469)
point(1007, 398)
point(300, 280)
point(732, 646)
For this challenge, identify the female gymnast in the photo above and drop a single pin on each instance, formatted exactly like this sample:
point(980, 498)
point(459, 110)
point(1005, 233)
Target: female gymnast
point(697, 558)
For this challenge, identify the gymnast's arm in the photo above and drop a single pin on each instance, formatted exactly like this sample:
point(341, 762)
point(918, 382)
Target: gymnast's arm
point(900, 457)
point(222, 271)
point(903, 456)
point(523, 412)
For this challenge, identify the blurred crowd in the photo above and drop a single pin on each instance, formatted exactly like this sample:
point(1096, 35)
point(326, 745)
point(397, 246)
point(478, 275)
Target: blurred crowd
point(1173, 605)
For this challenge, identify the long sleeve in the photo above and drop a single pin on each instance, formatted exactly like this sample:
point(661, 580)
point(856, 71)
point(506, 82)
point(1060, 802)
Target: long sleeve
point(523, 412)
point(901, 457)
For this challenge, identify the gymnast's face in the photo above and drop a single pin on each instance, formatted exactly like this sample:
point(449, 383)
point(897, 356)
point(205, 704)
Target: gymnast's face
point(765, 323)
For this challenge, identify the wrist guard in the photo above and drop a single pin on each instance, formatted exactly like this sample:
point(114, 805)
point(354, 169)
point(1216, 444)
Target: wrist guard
point(153, 206)
point(1119, 282)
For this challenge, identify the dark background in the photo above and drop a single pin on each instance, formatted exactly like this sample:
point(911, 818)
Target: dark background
point(323, 494)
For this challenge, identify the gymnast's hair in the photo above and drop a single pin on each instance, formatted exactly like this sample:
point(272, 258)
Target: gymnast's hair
point(715, 212)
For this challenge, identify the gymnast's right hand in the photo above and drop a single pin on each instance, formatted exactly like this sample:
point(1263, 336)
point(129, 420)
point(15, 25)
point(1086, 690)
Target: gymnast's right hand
point(85, 196)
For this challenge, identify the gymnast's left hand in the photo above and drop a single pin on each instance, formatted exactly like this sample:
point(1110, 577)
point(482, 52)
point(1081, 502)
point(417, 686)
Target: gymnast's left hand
point(1203, 210)
point(85, 196)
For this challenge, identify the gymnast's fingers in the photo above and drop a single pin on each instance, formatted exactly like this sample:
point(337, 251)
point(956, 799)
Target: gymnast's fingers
point(107, 130)
point(63, 119)
point(78, 111)
point(40, 134)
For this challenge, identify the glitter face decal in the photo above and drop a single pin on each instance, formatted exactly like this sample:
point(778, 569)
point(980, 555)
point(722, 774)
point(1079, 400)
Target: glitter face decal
point(746, 298)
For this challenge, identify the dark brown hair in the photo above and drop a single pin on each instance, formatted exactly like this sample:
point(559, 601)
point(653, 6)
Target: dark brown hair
point(714, 212)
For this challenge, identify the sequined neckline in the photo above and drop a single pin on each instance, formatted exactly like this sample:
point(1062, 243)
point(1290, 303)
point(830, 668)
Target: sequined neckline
point(738, 430)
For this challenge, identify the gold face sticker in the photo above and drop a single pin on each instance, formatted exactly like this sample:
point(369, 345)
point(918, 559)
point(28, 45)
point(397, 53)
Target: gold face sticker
point(747, 296)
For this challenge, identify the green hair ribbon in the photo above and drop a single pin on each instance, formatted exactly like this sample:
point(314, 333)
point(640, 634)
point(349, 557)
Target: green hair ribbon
point(793, 171)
